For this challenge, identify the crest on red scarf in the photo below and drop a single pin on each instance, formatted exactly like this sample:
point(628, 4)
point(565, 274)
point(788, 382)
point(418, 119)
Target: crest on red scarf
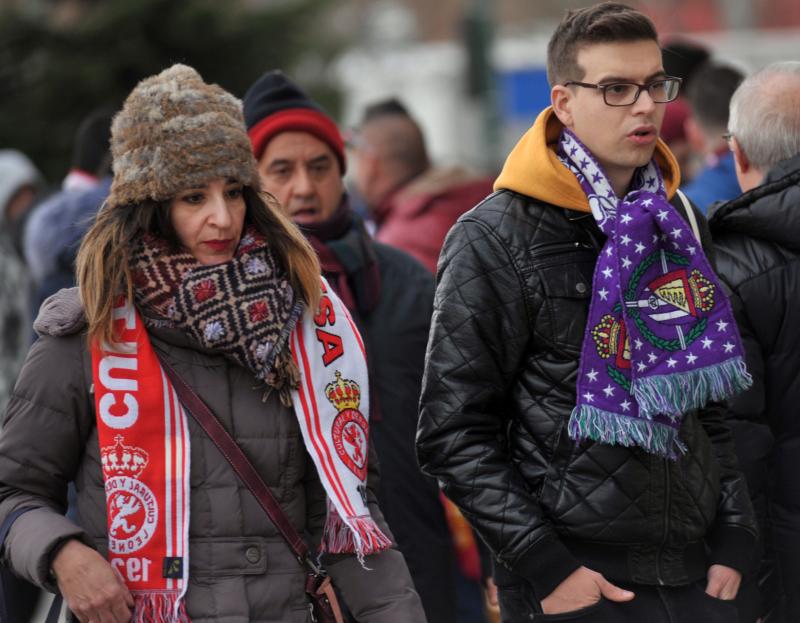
point(350, 426)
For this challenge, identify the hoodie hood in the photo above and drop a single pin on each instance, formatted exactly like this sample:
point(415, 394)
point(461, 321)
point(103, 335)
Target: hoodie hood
point(533, 168)
point(768, 211)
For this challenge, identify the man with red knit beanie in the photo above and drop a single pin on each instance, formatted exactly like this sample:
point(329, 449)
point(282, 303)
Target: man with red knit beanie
point(301, 161)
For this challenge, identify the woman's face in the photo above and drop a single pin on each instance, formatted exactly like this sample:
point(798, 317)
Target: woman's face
point(209, 219)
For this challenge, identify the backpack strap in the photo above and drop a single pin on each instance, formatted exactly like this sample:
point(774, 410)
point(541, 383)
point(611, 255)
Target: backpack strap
point(690, 216)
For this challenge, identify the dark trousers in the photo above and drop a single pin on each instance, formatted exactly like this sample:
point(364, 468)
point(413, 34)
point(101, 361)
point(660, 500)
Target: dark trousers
point(652, 604)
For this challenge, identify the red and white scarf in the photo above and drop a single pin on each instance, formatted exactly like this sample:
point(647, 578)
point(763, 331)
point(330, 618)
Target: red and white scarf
point(145, 451)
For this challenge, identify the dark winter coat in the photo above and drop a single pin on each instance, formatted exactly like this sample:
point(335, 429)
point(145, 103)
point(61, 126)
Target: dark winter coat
point(241, 570)
point(510, 313)
point(757, 237)
point(395, 333)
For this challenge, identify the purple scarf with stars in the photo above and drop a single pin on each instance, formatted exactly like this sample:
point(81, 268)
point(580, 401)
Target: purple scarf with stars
point(661, 339)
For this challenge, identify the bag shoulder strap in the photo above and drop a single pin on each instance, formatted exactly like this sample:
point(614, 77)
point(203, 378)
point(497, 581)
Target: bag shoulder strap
point(690, 216)
point(241, 465)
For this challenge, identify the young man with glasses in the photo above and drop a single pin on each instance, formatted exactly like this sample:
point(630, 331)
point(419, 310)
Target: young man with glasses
point(579, 351)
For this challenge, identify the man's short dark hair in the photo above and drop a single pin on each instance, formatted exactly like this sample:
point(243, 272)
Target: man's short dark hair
point(710, 94)
point(608, 22)
point(385, 108)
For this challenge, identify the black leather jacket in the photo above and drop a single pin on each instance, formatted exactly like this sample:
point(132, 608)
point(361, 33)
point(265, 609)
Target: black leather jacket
point(514, 285)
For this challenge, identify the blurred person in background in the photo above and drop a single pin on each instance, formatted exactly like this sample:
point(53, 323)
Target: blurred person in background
point(301, 160)
point(571, 402)
point(413, 203)
point(757, 237)
point(20, 183)
point(682, 58)
point(57, 224)
point(190, 267)
point(21, 186)
point(709, 96)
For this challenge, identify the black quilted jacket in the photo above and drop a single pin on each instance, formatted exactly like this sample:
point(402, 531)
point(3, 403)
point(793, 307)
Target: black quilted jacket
point(757, 237)
point(510, 311)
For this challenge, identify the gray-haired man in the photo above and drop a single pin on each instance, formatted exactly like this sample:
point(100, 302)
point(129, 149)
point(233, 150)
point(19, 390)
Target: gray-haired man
point(758, 255)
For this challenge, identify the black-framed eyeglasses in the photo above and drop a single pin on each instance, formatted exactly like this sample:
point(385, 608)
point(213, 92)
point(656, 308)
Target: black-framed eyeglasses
point(661, 91)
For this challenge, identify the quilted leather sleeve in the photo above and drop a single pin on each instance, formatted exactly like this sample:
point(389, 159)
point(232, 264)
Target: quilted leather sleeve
point(733, 536)
point(479, 337)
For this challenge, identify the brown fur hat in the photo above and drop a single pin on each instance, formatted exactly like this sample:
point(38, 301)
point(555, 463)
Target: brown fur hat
point(176, 132)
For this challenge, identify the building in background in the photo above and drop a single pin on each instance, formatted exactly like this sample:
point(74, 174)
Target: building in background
point(426, 53)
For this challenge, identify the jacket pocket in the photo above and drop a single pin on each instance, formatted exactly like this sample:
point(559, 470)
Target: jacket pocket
point(227, 556)
point(566, 282)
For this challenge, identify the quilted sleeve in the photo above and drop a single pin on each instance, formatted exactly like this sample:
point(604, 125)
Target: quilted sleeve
point(479, 336)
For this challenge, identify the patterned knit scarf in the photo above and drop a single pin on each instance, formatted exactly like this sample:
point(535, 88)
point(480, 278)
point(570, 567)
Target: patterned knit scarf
point(244, 309)
point(661, 338)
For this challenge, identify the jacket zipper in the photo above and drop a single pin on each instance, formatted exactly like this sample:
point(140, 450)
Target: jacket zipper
point(546, 250)
point(666, 524)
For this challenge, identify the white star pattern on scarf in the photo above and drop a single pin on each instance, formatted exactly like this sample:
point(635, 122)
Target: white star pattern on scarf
point(592, 375)
point(662, 215)
point(671, 363)
point(691, 249)
point(608, 391)
point(641, 367)
point(626, 218)
point(589, 397)
point(640, 247)
point(647, 202)
point(722, 325)
point(638, 343)
point(626, 405)
point(603, 294)
point(608, 272)
point(728, 347)
point(652, 358)
point(676, 233)
point(626, 263)
point(625, 239)
point(707, 343)
point(691, 358)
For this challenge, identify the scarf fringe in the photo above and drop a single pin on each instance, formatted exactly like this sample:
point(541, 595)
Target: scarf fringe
point(587, 422)
point(359, 535)
point(159, 607)
point(675, 394)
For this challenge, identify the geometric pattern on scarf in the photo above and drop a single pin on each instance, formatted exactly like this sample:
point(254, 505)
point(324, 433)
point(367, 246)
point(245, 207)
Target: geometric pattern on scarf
point(244, 309)
point(661, 338)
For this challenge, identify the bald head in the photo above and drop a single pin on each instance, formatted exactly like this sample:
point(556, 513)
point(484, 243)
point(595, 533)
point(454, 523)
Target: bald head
point(765, 115)
point(390, 151)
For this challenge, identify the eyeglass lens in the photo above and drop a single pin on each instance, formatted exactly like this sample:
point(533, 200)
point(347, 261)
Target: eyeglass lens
point(626, 93)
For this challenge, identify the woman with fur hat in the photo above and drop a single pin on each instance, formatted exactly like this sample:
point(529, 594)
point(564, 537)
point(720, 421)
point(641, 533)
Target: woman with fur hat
point(191, 276)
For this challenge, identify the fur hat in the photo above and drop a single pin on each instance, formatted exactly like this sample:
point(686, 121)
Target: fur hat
point(176, 132)
point(275, 104)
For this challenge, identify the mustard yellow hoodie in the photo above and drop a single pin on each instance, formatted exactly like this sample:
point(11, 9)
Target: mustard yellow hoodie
point(533, 169)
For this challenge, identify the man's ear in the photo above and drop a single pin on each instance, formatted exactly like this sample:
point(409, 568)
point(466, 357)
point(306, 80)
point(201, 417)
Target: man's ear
point(561, 99)
point(741, 159)
point(694, 134)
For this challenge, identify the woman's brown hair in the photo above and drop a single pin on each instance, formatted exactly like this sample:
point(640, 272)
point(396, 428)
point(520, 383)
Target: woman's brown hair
point(103, 262)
